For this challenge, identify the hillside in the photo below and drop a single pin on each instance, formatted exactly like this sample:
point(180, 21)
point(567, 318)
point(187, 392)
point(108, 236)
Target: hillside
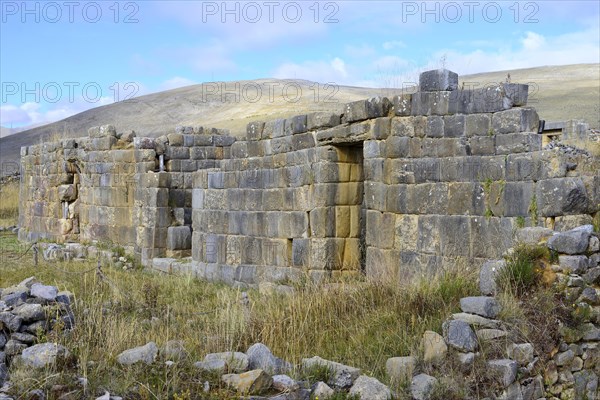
point(558, 92)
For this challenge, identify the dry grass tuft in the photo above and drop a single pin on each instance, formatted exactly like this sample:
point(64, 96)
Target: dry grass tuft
point(9, 203)
point(359, 324)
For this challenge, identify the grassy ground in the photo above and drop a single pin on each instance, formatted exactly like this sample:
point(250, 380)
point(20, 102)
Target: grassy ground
point(9, 203)
point(358, 324)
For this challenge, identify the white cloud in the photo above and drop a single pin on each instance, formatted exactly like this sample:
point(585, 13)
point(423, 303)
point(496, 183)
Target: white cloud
point(533, 50)
point(394, 44)
point(533, 41)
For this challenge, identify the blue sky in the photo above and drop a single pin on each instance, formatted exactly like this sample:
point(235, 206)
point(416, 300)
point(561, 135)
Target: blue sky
point(60, 58)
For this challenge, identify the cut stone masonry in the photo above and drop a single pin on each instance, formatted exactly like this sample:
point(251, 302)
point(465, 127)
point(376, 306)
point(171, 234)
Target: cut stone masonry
point(392, 188)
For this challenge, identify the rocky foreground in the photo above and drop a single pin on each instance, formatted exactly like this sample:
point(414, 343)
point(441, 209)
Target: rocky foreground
point(31, 309)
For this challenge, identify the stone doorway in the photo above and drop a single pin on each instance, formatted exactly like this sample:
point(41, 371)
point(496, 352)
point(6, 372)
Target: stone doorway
point(346, 212)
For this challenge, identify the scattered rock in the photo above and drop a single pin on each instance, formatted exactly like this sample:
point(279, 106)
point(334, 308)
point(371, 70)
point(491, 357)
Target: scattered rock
point(486, 335)
point(422, 386)
point(260, 357)
point(367, 388)
point(487, 276)
point(284, 383)
point(434, 347)
point(401, 369)
point(504, 371)
point(459, 335)
point(477, 320)
point(252, 382)
point(571, 242)
point(486, 307)
point(216, 365)
point(43, 355)
point(143, 354)
point(235, 361)
point(322, 391)
point(573, 264)
point(521, 353)
point(343, 376)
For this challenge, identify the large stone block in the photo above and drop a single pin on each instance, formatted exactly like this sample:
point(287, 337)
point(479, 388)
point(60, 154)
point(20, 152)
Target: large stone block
point(561, 196)
point(477, 125)
point(397, 147)
point(295, 125)
point(518, 143)
point(455, 236)
point(517, 93)
point(438, 80)
point(274, 128)
point(179, 238)
point(322, 120)
point(380, 229)
point(402, 104)
point(454, 125)
point(254, 130)
point(380, 128)
point(435, 127)
point(434, 103)
point(515, 120)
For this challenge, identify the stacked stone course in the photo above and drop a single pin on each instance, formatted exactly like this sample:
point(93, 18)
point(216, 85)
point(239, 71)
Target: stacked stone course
point(392, 188)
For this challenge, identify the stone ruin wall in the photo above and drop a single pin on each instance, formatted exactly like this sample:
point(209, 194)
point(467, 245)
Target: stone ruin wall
point(393, 188)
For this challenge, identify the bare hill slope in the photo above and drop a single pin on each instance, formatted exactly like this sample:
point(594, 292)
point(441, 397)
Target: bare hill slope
point(558, 92)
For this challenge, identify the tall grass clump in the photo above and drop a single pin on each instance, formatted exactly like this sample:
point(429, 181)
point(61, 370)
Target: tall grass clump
point(359, 323)
point(523, 269)
point(9, 203)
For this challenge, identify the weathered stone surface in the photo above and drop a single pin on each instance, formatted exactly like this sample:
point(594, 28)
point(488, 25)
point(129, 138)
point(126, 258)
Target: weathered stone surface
point(342, 376)
point(466, 359)
point(143, 354)
point(486, 335)
point(586, 385)
point(215, 365)
point(367, 388)
point(533, 234)
point(477, 320)
point(236, 361)
point(504, 371)
point(322, 391)
point(434, 347)
point(438, 80)
point(44, 292)
point(43, 355)
point(522, 353)
point(30, 312)
point(564, 358)
point(10, 321)
point(562, 196)
point(179, 238)
point(573, 264)
point(400, 369)
point(422, 386)
point(589, 295)
point(322, 120)
point(459, 335)
point(487, 276)
point(260, 357)
point(252, 382)
point(487, 307)
point(591, 332)
point(284, 383)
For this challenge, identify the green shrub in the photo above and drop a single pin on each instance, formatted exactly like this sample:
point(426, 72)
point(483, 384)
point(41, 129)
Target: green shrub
point(522, 272)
